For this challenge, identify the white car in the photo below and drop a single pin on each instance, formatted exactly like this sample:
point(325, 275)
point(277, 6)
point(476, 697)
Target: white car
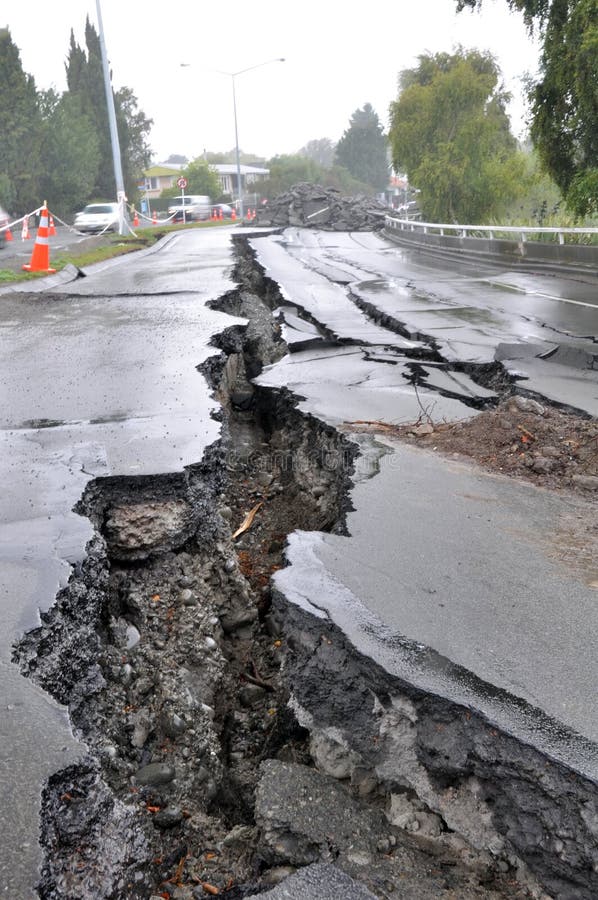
point(3, 221)
point(198, 208)
point(98, 217)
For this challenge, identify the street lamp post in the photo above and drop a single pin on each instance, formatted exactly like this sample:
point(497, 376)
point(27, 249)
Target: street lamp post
point(232, 76)
point(116, 159)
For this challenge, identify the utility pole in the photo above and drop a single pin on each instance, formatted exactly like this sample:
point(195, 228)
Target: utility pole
point(118, 172)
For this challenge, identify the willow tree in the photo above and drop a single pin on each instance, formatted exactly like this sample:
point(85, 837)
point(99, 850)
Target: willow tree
point(564, 99)
point(449, 131)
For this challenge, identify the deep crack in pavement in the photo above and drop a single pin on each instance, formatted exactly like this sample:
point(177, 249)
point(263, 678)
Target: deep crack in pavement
point(213, 706)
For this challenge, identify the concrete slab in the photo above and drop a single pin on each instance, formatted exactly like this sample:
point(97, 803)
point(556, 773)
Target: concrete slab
point(475, 587)
point(318, 882)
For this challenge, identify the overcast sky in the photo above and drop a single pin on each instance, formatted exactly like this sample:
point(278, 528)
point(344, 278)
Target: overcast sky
point(339, 56)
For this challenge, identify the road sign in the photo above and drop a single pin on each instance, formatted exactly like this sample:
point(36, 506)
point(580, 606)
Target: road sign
point(182, 183)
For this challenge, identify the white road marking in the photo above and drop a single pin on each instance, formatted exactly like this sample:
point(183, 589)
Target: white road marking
point(541, 294)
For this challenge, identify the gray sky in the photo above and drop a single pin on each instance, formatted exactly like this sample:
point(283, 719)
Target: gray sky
point(339, 56)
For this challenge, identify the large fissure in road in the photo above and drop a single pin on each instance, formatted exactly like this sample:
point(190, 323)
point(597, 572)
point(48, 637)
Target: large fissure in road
point(236, 738)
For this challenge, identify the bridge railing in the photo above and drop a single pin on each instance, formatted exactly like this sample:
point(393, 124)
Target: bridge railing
point(488, 232)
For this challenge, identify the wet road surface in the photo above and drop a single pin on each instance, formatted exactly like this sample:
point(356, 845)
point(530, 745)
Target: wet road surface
point(469, 313)
point(441, 556)
point(99, 378)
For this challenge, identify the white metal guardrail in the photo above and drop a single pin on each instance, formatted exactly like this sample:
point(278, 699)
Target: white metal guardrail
point(488, 232)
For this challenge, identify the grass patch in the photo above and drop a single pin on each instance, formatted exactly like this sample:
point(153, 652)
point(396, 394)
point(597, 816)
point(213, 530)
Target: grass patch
point(6, 276)
point(100, 254)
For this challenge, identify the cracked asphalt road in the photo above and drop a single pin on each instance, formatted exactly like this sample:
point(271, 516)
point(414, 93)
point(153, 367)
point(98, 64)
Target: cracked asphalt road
point(452, 559)
point(99, 378)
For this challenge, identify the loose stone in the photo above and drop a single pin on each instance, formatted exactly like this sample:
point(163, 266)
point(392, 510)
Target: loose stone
point(172, 724)
point(186, 581)
point(589, 482)
point(155, 773)
point(238, 619)
point(168, 817)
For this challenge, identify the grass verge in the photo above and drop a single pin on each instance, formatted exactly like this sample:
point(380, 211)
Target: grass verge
point(82, 255)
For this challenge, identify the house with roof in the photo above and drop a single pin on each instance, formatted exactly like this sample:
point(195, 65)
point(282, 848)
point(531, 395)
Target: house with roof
point(164, 175)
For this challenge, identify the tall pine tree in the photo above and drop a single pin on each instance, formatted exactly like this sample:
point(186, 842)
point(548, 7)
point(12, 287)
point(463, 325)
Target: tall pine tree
point(363, 149)
point(71, 153)
point(20, 130)
point(85, 80)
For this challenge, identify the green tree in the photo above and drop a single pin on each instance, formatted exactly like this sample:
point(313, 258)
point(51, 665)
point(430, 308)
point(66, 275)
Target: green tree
point(85, 80)
point(321, 151)
point(541, 200)
point(291, 169)
point(450, 133)
point(20, 132)
point(71, 153)
point(201, 179)
point(230, 157)
point(363, 149)
point(564, 100)
point(133, 129)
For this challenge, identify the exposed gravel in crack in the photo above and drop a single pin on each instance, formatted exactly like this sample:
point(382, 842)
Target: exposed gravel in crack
point(182, 678)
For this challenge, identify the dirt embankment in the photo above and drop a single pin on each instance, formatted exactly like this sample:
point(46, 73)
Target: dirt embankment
point(520, 437)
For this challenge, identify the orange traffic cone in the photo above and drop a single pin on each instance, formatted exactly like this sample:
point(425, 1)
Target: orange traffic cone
point(220, 213)
point(51, 228)
point(25, 229)
point(40, 258)
point(213, 216)
point(8, 235)
point(233, 214)
point(154, 218)
point(135, 219)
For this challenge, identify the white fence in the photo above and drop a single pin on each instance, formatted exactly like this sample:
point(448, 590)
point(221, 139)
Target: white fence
point(487, 232)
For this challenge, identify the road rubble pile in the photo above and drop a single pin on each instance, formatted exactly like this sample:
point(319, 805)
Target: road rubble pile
point(553, 448)
point(239, 746)
point(313, 206)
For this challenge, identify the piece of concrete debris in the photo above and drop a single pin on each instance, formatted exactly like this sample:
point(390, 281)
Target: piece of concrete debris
point(135, 530)
point(313, 206)
point(526, 404)
point(307, 817)
point(422, 430)
point(318, 882)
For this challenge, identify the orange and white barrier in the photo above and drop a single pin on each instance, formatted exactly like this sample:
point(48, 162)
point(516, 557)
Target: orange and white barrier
point(40, 258)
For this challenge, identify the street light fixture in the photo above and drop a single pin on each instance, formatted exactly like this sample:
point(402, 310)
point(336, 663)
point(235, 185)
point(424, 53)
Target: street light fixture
point(232, 76)
point(116, 158)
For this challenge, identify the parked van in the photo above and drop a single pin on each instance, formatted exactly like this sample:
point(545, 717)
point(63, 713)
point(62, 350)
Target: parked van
point(198, 208)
